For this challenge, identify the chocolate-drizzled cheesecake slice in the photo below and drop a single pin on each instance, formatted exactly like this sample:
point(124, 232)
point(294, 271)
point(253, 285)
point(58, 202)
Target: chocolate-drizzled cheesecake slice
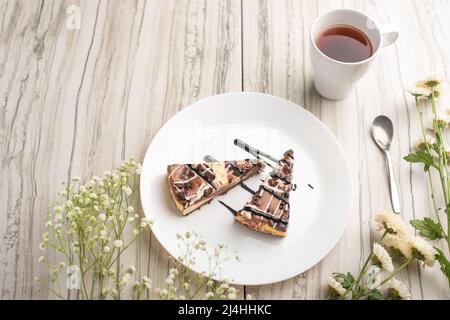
point(268, 209)
point(193, 185)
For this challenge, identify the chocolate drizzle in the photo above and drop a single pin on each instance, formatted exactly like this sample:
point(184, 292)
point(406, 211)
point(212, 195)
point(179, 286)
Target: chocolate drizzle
point(276, 195)
point(265, 215)
point(247, 188)
point(274, 175)
point(201, 176)
point(234, 212)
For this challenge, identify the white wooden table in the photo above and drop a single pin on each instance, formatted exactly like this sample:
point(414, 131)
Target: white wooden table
point(78, 101)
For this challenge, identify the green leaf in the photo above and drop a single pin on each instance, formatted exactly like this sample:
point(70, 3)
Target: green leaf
point(421, 156)
point(375, 294)
point(345, 279)
point(428, 228)
point(445, 264)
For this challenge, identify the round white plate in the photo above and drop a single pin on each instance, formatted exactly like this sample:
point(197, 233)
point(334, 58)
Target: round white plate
point(318, 215)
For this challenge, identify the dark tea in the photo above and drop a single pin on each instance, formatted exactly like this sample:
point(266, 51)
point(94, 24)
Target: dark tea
point(345, 43)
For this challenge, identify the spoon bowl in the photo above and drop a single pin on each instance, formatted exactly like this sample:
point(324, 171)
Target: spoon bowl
point(382, 132)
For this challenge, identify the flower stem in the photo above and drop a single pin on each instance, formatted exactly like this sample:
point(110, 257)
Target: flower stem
point(393, 274)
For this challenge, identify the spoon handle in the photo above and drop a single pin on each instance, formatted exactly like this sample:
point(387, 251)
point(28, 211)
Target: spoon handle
point(393, 185)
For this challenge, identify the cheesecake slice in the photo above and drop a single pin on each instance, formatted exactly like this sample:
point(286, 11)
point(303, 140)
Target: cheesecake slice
point(193, 185)
point(268, 209)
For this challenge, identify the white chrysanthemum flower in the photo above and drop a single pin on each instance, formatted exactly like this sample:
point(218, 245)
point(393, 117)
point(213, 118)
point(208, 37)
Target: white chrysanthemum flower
point(118, 243)
point(336, 286)
point(397, 289)
point(420, 92)
point(399, 245)
point(421, 144)
point(423, 251)
point(381, 258)
point(392, 223)
point(429, 81)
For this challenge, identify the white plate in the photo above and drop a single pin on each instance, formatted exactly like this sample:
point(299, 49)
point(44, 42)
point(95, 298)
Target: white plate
point(318, 216)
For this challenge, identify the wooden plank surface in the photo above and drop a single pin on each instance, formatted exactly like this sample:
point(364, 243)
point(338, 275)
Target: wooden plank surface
point(78, 101)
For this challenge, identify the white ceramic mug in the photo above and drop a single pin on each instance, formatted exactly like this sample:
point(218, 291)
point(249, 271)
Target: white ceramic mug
point(334, 79)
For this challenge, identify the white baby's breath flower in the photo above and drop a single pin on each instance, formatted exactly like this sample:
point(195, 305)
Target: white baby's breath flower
point(76, 178)
point(130, 209)
point(126, 279)
point(232, 296)
point(145, 222)
point(392, 223)
point(118, 243)
point(131, 219)
point(209, 295)
point(106, 249)
point(132, 269)
point(397, 289)
point(57, 209)
point(398, 245)
point(336, 287)
point(135, 232)
point(42, 246)
point(381, 258)
point(169, 281)
point(173, 271)
point(423, 251)
point(210, 283)
point(128, 191)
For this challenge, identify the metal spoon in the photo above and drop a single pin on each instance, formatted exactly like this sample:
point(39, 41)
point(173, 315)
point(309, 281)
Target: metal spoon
point(382, 133)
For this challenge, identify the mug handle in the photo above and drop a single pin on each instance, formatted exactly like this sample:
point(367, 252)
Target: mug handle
point(389, 34)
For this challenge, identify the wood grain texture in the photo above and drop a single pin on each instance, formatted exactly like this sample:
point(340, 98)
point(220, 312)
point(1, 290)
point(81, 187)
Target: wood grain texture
point(78, 101)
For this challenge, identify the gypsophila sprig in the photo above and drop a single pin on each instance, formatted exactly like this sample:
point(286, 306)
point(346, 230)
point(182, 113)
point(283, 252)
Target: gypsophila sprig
point(433, 153)
point(88, 230)
point(182, 283)
point(376, 278)
point(93, 225)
